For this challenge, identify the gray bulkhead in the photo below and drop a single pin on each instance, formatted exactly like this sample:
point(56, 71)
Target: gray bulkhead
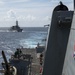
point(57, 42)
point(69, 63)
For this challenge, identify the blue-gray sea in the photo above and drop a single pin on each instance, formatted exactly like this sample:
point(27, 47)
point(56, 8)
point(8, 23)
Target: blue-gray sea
point(29, 38)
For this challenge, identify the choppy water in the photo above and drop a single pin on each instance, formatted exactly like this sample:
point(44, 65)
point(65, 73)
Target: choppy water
point(29, 38)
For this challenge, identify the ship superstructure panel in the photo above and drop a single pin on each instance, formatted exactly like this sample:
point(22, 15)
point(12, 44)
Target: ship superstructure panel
point(57, 42)
point(69, 63)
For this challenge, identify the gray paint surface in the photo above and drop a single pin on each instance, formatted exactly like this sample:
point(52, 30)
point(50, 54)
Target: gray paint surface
point(57, 43)
point(69, 64)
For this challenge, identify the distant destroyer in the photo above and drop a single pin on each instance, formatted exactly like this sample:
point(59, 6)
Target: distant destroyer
point(16, 28)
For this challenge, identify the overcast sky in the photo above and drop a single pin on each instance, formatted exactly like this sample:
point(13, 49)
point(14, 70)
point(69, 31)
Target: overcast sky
point(29, 13)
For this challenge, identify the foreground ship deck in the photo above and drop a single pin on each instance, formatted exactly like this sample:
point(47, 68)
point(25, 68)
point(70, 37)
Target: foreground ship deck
point(27, 63)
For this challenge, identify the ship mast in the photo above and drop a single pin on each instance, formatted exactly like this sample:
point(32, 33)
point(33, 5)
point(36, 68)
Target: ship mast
point(16, 23)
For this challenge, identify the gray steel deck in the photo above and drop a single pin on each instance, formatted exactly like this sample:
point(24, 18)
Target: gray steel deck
point(29, 65)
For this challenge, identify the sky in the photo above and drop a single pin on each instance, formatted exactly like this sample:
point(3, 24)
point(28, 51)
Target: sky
point(29, 13)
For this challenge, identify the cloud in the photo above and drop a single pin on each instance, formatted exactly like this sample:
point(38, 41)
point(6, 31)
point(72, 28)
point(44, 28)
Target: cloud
point(61, 0)
point(11, 14)
point(15, 1)
point(30, 18)
point(47, 18)
point(8, 16)
point(29, 12)
point(2, 3)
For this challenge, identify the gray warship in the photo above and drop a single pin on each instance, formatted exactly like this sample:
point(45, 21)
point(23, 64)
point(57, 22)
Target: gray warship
point(60, 46)
point(16, 28)
point(23, 62)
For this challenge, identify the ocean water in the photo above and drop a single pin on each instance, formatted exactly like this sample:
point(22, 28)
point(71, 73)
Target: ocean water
point(29, 38)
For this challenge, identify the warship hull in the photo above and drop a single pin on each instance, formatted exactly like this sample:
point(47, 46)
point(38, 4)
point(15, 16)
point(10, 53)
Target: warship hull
point(16, 28)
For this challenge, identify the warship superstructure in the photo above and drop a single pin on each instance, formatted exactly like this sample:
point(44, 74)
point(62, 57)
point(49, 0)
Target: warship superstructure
point(24, 61)
point(58, 56)
point(16, 28)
